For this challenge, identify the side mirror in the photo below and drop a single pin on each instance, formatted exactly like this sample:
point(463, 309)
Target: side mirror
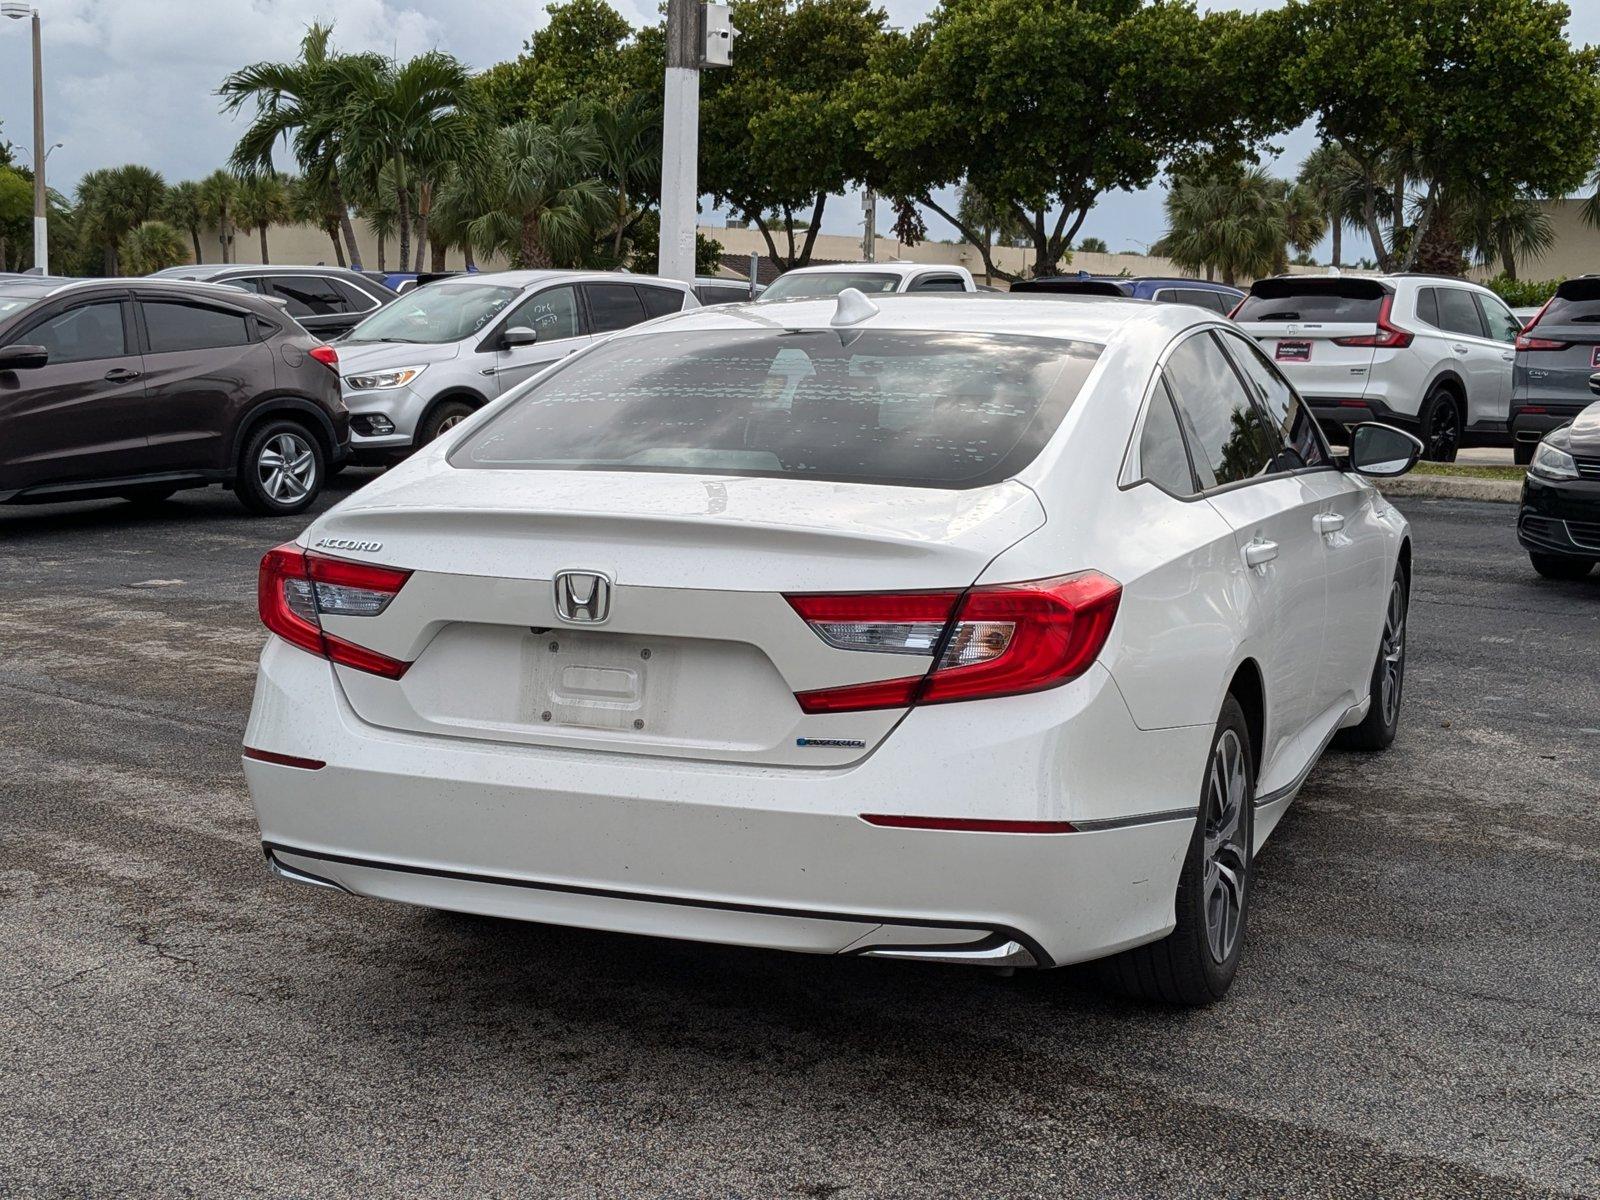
point(518, 335)
point(1594, 383)
point(23, 358)
point(1382, 450)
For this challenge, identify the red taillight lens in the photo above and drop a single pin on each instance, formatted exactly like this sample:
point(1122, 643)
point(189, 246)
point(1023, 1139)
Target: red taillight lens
point(1525, 342)
point(327, 356)
point(296, 588)
point(1002, 641)
point(1389, 336)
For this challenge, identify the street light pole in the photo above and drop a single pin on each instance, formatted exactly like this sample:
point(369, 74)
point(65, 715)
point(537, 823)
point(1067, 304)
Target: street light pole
point(698, 35)
point(41, 227)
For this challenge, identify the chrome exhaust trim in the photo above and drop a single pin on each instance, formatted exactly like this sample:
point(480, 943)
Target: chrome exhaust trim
point(987, 953)
point(295, 875)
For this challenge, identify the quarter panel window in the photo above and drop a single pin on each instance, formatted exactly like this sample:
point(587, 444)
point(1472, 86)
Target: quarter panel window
point(613, 306)
point(1502, 324)
point(81, 334)
point(1428, 306)
point(1162, 458)
point(174, 326)
point(1229, 435)
point(659, 301)
point(552, 313)
point(310, 295)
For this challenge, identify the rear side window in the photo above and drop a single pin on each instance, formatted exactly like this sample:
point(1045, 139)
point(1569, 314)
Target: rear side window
point(1229, 436)
point(709, 294)
point(1499, 320)
point(173, 326)
point(1330, 301)
point(310, 295)
point(659, 301)
point(915, 409)
point(81, 334)
point(612, 306)
point(1162, 459)
point(1458, 313)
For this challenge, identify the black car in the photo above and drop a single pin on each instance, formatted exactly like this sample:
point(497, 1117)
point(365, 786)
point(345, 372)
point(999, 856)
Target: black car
point(1559, 523)
point(1218, 297)
point(139, 387)
point(328, 301)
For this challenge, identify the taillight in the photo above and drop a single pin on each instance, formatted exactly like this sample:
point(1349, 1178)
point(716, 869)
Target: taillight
point(327, 356)
point(1524, 342)
point(296, 588)
point(1389, 336)
point(1003, 640)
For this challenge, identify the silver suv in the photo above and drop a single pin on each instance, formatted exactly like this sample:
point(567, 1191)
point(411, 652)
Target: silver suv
point(441, 351)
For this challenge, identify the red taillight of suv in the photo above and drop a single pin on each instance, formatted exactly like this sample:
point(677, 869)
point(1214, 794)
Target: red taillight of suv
point(327, 356)
point(1002, 640)
point(1389, 336)
point(296, 588)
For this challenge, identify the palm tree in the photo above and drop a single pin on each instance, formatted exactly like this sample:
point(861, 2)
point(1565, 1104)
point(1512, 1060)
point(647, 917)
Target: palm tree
point(311, 203)
point(1332, 177)
point(185, 209)
point(1303, 218)
point(299, 103)
point(1093, 245)
point(218, 193)
point(263, 202)
point(415, 115)
point(1506, 230)
point(113, 201)
point(152, 246)
point(629, 135)
point(1234, 221)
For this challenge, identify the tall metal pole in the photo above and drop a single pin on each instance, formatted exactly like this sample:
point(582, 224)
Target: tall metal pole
point(680, 139)
point(41, 227)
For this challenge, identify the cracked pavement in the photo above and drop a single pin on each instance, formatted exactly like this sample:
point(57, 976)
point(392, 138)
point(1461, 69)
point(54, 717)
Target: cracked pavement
point(1416, 1014)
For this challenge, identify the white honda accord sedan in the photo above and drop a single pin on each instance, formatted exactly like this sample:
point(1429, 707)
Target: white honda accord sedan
point(971, 630)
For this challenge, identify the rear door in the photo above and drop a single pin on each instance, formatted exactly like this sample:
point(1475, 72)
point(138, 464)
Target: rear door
point(553, 314)
point(1560, 350)
point(1483, 361)
point(81, 417)
point(1301, 323)
point(1237, 454)
point(203, 363)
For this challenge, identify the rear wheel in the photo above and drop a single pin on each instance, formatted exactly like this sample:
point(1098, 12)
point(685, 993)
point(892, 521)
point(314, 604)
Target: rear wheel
point(1196, 962)
point(1387, 689)
point(443, 419)
point(1441, 426)
point(1559, 566)
point(280, 470)
point(1522, 453)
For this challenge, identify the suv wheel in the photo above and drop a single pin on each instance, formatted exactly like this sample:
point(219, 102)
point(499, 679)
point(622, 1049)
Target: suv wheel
point(442, 419)
point(1196, 962)
point(281, 469)
point(1441, 426)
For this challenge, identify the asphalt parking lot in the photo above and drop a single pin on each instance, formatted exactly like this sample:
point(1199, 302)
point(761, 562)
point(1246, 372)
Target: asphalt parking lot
point(1416, 1015)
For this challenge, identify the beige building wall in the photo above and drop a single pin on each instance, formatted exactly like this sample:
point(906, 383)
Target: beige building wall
point(306, 245)
point(1576, 250)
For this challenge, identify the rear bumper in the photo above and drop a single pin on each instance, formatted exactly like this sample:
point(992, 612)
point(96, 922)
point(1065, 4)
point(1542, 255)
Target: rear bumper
point(774, 857)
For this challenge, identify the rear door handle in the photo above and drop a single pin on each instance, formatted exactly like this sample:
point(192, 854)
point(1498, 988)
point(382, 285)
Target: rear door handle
point(1259, 553)
point(1328, 522)
point(120, 375)
point(1459, 348)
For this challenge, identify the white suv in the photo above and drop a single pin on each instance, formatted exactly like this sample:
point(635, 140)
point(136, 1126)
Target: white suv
point(812, 283)
point(1432, 354)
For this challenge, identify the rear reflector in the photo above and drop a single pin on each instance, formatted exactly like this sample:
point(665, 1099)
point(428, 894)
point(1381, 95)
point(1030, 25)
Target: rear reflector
point(1003, 640)
point(284, 760)
point(296, 588)
point(967, 824)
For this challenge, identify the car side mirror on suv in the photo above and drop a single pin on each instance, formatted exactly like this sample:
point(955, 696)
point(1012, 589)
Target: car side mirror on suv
point(1382, 450)
point(23, 358)
point(518, 335)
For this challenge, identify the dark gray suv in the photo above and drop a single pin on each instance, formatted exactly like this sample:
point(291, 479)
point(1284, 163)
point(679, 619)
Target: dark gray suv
point(140, 387)
point(327, 301)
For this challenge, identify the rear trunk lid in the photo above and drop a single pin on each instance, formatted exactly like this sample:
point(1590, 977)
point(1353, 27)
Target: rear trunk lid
point(697, 653)
point(1560, 350)
point(1300, 322)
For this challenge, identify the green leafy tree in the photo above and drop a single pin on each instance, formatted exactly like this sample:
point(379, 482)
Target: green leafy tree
point(586, 50)
point(219, 192)
point(778, 128)
point(16, 212)
point(263, 202)
point(1044, 107)
point(318, 202)
point(299, 104)
point(152, 246)
point(112, 202)
point(184, 208)
point(1093, 245)
point(629, 135)
point(1334, 180)
point(1231, 221)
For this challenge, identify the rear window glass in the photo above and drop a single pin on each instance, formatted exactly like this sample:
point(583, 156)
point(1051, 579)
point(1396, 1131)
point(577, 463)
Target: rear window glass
point(1576, 302)
point(916, 409)
point(1357, 304)
point(799, 285)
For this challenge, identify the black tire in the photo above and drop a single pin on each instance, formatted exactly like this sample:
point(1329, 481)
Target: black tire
point(1378, 727)
point(149, 497)
point(1522, 452)
point(1185, 967)
point(1440, 422)
point(255, 485)
point(444, 417)
point(1559, 566)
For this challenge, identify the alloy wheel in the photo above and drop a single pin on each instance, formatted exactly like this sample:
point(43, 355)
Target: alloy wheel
point(450, 423)
point(1444, 431)
point(287, 468)
point(1394, 654)
point(1226, 856)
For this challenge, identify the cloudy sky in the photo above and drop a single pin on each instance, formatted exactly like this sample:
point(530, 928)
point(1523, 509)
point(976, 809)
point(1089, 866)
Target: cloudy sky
point(135, 80)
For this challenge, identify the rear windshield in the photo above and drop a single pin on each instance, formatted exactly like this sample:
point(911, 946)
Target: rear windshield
point(915, 409)
point(1069, 287)
point(1336, 300)
point(440, 312)
point(797, 286)
point(1576, 302)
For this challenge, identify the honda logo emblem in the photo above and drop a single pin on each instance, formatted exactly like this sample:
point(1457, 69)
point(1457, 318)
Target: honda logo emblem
point(583, 597)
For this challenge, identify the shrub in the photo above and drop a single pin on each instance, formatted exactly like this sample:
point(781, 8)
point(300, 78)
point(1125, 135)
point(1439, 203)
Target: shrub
point(1522, 293)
